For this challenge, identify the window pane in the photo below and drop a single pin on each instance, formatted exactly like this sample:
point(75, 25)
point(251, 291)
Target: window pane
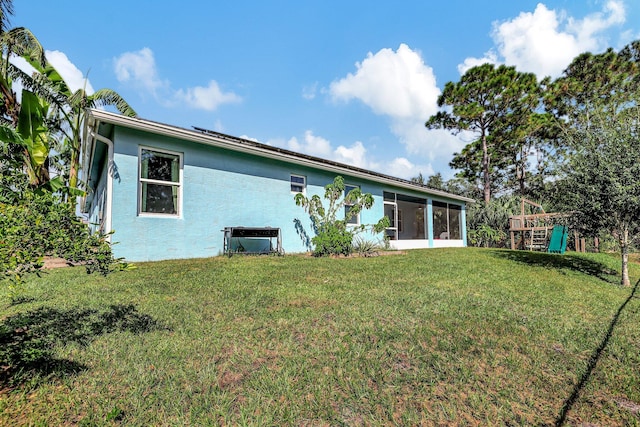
point(354, 219)
point(455, 213)
point(159, 198)
point(160, 166)
point(297, 183)
point(440, 230)
point(390, 212)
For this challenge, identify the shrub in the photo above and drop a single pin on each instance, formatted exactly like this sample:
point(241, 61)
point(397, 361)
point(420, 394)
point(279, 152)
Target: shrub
point(333, 235)
point(333, 239)
point(41, 225)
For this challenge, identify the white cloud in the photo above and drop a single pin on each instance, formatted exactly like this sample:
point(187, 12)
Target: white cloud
point(354, 155)
point(545, 41)
point(400, 86)
point(489, 58)
point(73, 77)
point(309, 92)
point(206, 98)
point(397, 84)
point(139, 69)
point(313, 145)
point(403, 168)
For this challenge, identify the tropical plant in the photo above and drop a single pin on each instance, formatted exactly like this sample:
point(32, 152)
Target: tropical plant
point(488, 223)
point(366, 248)
point(67, 114)
point(335, 236)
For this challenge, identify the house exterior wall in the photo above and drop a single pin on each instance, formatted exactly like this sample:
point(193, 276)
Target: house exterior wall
point(221, 188)
point(96, 210)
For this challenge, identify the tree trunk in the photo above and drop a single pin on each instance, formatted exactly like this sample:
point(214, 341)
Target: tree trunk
point(624, 251)
point(485, 169)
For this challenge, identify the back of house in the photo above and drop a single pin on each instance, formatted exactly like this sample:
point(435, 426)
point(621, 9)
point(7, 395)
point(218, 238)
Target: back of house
point(169, 192)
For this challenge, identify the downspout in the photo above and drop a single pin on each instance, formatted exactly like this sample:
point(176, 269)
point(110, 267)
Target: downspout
point(109, 197)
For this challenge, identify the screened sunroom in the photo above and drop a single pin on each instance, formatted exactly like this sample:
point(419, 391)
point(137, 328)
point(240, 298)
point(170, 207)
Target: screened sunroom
point(422, 222)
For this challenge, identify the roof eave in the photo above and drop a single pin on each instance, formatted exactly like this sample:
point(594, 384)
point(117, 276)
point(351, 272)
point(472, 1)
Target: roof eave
point(251, 147)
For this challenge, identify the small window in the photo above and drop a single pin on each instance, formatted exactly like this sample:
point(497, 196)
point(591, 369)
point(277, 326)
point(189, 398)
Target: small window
point(160, 182)
point(298, 183)
point(355, 219)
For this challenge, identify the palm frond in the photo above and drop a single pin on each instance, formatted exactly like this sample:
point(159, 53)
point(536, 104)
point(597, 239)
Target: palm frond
point(36, 83)
point(109, 97)
point(6, 9)
point(21, 42)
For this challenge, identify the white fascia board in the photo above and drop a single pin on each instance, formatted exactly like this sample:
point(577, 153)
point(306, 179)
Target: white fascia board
point(97, 116)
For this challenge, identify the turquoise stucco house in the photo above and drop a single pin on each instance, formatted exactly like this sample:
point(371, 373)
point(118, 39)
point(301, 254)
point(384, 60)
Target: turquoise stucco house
point(169, 192)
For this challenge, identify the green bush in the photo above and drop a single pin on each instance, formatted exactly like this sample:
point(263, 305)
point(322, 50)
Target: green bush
point(333, 239)
point(333, 235)
point(42, 225)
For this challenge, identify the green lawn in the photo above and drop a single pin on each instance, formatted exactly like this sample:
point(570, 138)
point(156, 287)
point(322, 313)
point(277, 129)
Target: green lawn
point(432, 337)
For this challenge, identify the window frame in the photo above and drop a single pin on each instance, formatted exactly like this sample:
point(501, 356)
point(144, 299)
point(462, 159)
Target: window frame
point(447, 207)
point(178, 184)
point(347, 205)
point(303, 185)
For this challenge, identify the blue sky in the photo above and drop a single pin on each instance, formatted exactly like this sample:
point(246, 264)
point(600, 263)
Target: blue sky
point(351, 81)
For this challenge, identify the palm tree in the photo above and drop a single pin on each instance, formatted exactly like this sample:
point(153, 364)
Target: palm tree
point(67, 112)
point(28, 140)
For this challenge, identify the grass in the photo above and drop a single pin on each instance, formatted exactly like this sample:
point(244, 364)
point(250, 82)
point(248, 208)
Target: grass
point(433, 337)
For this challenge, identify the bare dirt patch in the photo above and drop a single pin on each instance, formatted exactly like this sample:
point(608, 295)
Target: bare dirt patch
point(55, 262)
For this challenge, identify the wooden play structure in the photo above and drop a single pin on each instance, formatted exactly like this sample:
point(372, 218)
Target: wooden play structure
point(536, 230)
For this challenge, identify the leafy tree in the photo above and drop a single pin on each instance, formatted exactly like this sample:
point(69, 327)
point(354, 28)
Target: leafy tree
point(597, 101)
point(335, 236)
point(436, 182)
point(13, 181)
point(418, 179)
point(17, 42)
point(493, 103)
point(33, 220)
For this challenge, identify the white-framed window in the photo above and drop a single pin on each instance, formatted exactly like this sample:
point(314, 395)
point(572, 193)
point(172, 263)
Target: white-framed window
point(355, 219)
point(160, 182)
point(298, 183)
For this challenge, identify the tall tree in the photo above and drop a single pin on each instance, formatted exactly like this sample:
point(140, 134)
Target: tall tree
point(24, 137)
point(67, 113)
point(491, 102)
point(597, 102)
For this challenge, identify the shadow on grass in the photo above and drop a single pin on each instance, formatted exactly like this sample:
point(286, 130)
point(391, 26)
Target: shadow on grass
point(593, 361)
point(562, 262)
point(27, 340)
